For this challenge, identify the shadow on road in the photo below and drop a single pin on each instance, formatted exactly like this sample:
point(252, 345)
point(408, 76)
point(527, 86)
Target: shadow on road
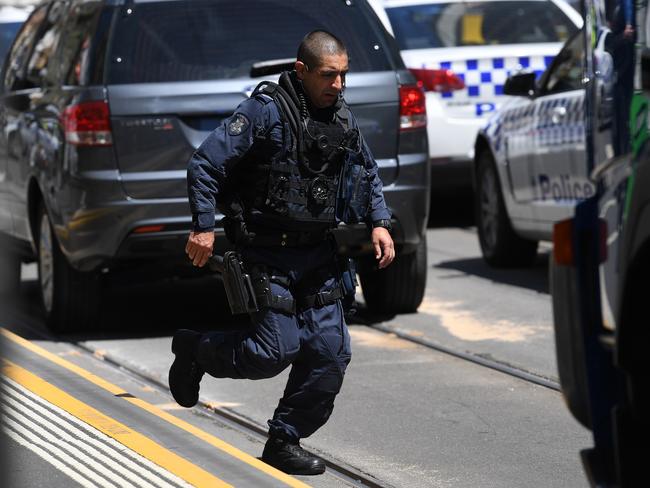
point(451, 211)
point(133, 310)
point(533, 278)
point(141, 310)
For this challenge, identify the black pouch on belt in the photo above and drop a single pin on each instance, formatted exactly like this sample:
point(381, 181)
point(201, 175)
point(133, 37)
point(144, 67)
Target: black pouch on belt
point(238, 285)
point(261, 277)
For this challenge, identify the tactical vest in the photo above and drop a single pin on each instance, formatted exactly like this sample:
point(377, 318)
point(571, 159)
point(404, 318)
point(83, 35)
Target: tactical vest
point(306, 180)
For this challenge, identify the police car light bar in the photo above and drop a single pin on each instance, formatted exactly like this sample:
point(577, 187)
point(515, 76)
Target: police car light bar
point(438, 80)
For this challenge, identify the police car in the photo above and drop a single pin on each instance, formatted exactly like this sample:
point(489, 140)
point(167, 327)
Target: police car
point(462, 53)
point(530, 160)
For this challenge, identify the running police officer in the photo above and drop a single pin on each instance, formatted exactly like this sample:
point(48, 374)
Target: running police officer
point(284, 169)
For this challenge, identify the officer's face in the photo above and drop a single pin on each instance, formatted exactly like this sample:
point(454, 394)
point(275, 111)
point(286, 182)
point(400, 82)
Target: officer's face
point(323, 83)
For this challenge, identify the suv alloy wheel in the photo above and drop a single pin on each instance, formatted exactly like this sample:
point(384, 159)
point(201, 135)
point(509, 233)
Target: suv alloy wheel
point(70, 298)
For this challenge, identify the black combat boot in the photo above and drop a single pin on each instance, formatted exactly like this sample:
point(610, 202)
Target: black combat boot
point(291, 458)
point(185, 373)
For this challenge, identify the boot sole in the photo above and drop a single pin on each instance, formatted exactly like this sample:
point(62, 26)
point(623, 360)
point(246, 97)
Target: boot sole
point(320, 468)
point(310, 473)
point(171, 390)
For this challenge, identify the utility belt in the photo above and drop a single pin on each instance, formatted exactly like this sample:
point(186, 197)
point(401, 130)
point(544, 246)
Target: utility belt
point(289, 238)
point(250, 292)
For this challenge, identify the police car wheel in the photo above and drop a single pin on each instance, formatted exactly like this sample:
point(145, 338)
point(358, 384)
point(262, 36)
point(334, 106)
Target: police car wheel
point(400, 287)
point(10, 275)
point(500, 245)
point(69, 297)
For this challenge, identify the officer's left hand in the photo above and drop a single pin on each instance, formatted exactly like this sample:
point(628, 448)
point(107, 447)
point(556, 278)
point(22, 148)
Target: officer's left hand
point(384, 247)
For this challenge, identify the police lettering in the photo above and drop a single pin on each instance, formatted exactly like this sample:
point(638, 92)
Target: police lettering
point(564, 188)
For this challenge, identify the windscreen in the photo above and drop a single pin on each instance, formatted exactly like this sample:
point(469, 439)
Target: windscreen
point(218, 39)
point(436, 25)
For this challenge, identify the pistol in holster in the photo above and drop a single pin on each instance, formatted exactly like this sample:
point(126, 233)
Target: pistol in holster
point(349, 283)
point(238, 285)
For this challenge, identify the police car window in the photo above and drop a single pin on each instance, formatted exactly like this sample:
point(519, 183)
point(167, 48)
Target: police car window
point(15, 63)
point(432, 25)
point(217, 39)
point(566, 71)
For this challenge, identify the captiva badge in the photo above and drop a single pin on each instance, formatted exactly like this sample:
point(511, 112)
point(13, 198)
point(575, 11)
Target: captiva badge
point(238, 125)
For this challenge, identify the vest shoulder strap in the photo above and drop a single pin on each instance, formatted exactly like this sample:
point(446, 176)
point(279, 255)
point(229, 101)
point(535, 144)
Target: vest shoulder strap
point(343, 114)
point(265, 88)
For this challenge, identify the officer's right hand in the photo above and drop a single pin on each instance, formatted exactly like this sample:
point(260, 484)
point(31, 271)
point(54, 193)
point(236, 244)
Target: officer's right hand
point(199, 247)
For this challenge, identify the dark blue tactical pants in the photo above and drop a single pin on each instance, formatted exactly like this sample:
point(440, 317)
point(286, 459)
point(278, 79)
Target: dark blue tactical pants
point(314, 341)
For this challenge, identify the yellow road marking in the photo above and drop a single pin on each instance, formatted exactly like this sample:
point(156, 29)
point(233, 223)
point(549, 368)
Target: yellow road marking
point(181, 424)
point(111, 427)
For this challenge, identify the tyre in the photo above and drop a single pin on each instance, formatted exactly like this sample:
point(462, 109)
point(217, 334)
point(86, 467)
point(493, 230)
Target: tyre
point(400, 287)
point(500, 246)
point(70, 298)
point(10, 274)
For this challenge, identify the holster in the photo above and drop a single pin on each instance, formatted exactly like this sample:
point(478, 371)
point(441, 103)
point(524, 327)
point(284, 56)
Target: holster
point(348, 284)
point(238, 285)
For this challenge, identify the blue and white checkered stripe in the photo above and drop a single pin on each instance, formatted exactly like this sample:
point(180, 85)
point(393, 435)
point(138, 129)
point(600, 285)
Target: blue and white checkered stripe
point(571, 129)
point(484, 78)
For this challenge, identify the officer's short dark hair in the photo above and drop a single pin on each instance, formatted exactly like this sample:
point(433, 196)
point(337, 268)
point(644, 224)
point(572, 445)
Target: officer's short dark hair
point(318, 44)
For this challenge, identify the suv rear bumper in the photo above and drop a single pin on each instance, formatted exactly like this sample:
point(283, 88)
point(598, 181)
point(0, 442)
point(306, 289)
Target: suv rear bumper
point(90, 245)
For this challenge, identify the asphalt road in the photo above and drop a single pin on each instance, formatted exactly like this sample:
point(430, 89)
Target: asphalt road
point(408, 415)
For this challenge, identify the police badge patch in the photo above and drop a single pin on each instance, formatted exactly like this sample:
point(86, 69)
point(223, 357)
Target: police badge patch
point(238, 125)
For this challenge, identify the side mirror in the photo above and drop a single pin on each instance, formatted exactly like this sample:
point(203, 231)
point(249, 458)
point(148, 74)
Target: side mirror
point(520, 85)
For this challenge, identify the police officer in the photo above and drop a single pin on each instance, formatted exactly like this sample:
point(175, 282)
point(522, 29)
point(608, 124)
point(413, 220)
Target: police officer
point(284, 169)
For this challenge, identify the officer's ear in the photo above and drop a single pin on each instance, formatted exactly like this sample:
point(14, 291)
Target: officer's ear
point(301, 68)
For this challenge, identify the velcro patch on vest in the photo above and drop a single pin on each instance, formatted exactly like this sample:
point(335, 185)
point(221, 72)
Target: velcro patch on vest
point(238, 125)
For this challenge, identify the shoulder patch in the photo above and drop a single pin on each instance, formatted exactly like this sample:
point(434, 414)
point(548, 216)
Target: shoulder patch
point(238, 124)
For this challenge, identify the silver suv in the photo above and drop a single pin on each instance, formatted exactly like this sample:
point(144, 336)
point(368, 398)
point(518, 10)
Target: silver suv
point(103, 103)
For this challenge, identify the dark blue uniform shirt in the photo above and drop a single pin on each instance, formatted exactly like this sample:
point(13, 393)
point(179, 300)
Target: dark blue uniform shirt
point(256, 125)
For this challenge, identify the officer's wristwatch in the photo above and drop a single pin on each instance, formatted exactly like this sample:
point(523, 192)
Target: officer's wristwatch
point(385, 223)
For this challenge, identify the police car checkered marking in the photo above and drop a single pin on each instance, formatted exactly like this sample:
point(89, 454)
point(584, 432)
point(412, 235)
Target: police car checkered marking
point(484, 78)
point(544, 130)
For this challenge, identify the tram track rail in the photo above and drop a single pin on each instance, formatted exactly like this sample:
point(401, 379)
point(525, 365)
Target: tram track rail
point(478, 359)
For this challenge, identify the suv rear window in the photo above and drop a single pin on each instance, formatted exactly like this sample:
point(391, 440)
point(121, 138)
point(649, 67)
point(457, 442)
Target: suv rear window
point(217, 39)
point(479, 23)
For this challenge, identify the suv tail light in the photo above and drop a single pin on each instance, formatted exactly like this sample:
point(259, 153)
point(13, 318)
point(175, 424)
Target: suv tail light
point(438, 80)
point(412, 108)
point(87, 124)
